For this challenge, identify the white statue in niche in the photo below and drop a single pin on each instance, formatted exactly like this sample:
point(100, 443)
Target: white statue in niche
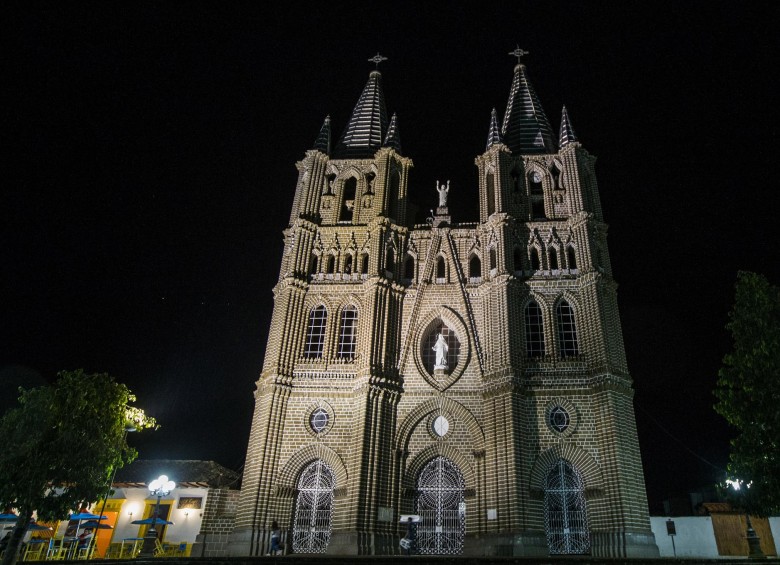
point(441, 348)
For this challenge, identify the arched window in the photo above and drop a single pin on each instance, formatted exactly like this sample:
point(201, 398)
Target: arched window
point(517, 258)
point(315, 334)
point(314, 508)
point(535, 182)
point(441, 268)
point(409, 268)
point(330, 266)
point(348, 265)
point(565, 514)
point(535, 266)
point(515, 181)
point(492, 258)
point(348, 200)
point(567, 330)
point(475, 268)
point(571, 258)
point(491, 194)
point(553, 259)
point(537, 209)
point(534, 330)
point(348, 333)
point(313, 265)
point(390, 260)
point(364, 264)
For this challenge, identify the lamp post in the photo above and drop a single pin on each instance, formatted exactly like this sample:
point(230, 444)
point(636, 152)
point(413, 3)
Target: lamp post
point(159, 487)
point(753, 540)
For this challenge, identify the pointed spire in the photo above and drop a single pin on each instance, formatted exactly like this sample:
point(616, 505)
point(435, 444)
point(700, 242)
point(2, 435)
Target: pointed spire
point(567, 132)
point(526, 128)
point(393, 137)
point(494, 135)
point(322, 143)
point(364, 133)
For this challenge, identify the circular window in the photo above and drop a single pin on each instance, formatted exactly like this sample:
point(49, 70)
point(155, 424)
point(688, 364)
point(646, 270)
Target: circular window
point(319, 420)
point(441, 426)
point(559, 419)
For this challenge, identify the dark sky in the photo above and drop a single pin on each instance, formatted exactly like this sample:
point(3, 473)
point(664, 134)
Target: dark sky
point(150, 171)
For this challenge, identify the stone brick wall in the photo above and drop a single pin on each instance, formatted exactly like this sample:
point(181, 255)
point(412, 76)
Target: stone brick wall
point(219, 515)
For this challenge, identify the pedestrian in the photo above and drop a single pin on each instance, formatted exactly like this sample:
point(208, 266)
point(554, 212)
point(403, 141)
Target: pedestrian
point(276, 538)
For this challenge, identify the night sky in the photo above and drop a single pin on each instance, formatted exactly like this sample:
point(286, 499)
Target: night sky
point(149, 173)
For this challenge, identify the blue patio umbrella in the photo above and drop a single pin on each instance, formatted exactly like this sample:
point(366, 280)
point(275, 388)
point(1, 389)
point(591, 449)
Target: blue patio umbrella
point(151, 520)
point(35, 527)
point(93, 524)
point(8, 517)
point(86, 516)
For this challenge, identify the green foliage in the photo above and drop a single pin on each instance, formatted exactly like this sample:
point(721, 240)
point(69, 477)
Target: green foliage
point(63, 443)
point(748, 392)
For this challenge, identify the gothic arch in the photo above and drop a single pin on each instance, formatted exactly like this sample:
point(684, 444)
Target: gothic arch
point(581, 459)
point(413, 468)
point(288, 475)
point(421, 411)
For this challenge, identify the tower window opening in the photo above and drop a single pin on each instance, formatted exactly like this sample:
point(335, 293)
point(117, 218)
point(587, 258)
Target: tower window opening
point(491, 194)
point(555, 173)
point(330, 266)
point(571, 257)
point(441, 270)
point(535, 182)
point(553, 259)
point(537, 209)
point(348, 265)
point(517, 259)
point(315, 334)
point(535, 265)
point(390, 261)
point(492, 259)
point(313, 265)
point(348, 199)
point(534, 330)
point(409, 268)
point(567, 330)
point(475, 269)
point(364, 264)
point(348, 333)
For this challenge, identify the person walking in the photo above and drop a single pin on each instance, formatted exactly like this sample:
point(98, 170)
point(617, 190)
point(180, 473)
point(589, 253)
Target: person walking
point(276, 538)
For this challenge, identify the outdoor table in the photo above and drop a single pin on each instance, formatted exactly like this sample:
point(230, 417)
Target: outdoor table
point(134, 545)
point(71, 544)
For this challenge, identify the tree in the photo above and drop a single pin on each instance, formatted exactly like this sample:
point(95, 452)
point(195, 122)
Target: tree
point(748, 392)
point(62, 444)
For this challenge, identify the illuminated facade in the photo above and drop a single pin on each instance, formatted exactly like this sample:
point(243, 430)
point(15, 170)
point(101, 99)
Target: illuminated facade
point(472, 374)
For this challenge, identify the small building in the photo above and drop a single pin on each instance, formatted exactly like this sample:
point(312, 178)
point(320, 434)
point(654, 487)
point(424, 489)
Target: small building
point(197, 482)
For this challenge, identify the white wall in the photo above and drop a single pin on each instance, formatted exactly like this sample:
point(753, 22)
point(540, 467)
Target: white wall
point(185, 526)
point(695, 536)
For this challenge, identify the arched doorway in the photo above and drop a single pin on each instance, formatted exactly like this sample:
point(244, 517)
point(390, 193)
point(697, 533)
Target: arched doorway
point(565, 517)
point(441, 506)
point(314, 509)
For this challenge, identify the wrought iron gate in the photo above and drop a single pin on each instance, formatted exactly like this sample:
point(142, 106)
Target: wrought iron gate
point(314, 509)
point(565, 515)
point(441, 506)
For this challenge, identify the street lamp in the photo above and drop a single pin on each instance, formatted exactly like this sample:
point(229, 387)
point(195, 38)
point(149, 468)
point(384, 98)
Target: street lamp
point(754, 542)
point(159, 487)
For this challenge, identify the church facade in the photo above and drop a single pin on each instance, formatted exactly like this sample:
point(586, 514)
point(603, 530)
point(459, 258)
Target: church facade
point(470, 376)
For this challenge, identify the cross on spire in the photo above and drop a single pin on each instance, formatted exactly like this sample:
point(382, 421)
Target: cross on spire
point(518, 53)
point(376, 59)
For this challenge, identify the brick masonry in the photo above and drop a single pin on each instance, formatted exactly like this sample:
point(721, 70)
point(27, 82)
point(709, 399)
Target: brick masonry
point(406, 282)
